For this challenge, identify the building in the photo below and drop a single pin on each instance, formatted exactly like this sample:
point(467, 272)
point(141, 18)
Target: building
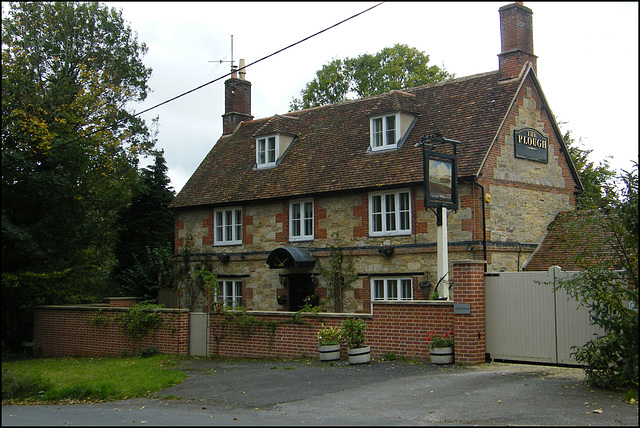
point(275, 195)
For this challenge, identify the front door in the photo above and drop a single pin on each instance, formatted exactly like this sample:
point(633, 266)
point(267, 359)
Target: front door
point(300, 287)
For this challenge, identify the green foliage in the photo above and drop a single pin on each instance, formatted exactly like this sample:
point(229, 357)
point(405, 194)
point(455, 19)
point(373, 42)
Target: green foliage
point(611, 359)
point(100, 319)
point(68, 69)
point(87, 378)
point(594, 178)
point(396, 67)
point(353, 331)
point(22, 385)
point(140, 320)
point(444, 341)
point(145, 235)
point(148, 351)
point(329, 335)
point(338, 273)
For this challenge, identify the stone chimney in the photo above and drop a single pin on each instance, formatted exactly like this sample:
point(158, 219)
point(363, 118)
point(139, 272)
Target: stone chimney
point(237, 101)
point(516, 35)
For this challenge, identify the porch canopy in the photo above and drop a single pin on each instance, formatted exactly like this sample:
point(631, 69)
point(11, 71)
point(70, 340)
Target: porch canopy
point(285, 257)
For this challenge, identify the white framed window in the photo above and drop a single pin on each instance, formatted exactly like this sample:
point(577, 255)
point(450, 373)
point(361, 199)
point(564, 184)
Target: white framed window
point(230, 293)
point(228, 226)
point(385, 132)
point(392, 289)
point(301, 220)
point(267, 151)
point(390, 213)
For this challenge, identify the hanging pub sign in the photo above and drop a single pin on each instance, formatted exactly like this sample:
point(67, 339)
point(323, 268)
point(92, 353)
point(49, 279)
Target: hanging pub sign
point(440, 180)
point(530, 144)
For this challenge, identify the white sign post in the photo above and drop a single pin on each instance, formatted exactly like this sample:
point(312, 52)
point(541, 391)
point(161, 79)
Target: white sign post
point(443, 257)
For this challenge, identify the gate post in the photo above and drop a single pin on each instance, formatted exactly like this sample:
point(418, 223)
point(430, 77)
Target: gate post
point(468, 288)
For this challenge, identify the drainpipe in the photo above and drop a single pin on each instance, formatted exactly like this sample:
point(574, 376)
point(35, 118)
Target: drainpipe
point(484, 224)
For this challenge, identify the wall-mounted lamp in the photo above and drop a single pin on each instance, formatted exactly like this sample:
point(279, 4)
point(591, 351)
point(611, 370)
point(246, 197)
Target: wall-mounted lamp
point(470, 247)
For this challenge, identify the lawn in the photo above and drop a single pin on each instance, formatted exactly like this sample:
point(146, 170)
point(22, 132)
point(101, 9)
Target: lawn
point(87, 379)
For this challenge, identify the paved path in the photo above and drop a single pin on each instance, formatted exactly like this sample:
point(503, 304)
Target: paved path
point(380, 393)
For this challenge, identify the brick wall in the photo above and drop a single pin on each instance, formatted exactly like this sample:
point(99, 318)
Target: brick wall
point(400, 328)
point(72, 330)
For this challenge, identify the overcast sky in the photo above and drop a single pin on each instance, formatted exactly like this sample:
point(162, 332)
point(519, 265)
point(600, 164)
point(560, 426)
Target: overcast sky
point(587, 60)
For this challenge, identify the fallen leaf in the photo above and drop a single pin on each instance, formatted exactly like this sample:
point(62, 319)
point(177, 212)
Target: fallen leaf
point(432, 411)
point(597, 411)
point(499, 401)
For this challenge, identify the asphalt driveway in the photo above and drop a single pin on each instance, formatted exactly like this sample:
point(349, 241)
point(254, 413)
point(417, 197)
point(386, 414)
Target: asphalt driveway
point(379, 393)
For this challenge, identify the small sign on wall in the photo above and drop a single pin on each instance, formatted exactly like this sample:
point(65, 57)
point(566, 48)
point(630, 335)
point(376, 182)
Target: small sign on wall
point(530, 144)
point(462, 308)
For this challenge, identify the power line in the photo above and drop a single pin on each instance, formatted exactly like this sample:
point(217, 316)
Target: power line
point(203, 85)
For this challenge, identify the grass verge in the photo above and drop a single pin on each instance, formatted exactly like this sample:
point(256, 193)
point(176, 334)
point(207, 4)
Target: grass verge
point(86, 379)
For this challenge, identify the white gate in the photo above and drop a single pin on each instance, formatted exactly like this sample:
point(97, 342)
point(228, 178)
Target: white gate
point(526, 320)
point(198, 334)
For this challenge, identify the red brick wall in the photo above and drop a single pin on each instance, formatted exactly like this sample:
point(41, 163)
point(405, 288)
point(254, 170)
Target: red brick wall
point(67, 330)
point(468, 280)
point(400, 328)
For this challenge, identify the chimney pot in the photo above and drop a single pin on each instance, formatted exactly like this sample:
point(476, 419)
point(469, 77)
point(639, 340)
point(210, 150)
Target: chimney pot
point(242, 71)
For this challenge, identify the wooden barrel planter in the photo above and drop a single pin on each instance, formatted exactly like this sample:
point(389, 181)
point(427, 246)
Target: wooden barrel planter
point(442, 355)
point(360, 355)
point(329, 352)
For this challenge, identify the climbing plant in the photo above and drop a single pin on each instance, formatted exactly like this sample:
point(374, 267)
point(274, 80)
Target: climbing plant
point(338, 272)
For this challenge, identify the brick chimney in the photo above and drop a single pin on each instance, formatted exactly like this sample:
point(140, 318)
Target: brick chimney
point(516, 35)
point(237, 101)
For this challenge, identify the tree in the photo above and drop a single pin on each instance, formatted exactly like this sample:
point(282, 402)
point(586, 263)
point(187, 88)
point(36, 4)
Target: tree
point(69, 149)
point(145, 235)
point(595, 179)
point(396, 67)
point(611, 359)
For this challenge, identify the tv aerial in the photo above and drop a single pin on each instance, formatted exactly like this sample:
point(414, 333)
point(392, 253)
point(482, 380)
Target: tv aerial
point(233, 66)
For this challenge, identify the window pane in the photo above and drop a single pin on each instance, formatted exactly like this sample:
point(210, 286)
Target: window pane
point(404, 211)
point(392, 289)
point(391, 130)
point(390, 208)
point(261, 151)
point(237, 296)
point(219, 226)
point(228, 225)
point(406, 289)
point(376, 210)
point(377, 132)
point(378, 289)
point(272, 150)
point(238, 226)
point(308, 218)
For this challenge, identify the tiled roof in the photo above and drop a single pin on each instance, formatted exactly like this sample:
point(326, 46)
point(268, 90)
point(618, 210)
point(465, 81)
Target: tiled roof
point(575, 240)
point(330, 152)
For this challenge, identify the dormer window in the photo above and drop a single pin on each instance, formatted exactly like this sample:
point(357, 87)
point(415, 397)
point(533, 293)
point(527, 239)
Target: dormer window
point(267, 148)
point(385, 132)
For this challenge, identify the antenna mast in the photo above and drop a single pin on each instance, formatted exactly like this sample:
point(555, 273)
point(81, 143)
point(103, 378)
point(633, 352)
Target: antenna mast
point(233, 67)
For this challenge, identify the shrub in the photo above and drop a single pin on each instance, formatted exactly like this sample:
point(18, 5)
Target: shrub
point(353, 331)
